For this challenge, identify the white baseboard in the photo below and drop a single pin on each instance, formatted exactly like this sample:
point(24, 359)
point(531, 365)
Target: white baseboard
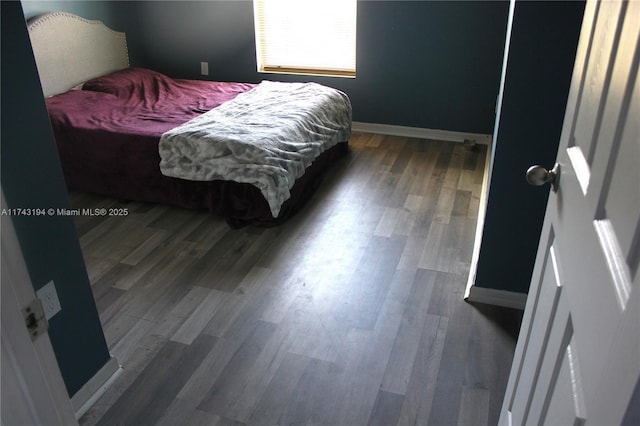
point(492, 296)
point(481, 294)
point(417, 132)
point(95, 387)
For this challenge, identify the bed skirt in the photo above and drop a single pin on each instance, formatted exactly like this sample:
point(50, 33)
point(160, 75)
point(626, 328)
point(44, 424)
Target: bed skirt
point(240, 204)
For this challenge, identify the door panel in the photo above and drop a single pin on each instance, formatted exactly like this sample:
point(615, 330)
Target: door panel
point(558, 376)
point(33, 391)
point(596, 77)
point(550, 385)
point(564, 405)
point(621, 192)
point(534, 340)
point(577, 360)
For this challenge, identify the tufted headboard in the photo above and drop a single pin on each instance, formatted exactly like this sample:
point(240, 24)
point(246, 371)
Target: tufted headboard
point(70, 50)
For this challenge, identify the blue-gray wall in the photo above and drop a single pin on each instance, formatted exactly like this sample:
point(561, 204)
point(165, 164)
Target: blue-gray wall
point(544, 38)
point(32, 178)
point(424, 64)
point(101, 10)
point(429, 64)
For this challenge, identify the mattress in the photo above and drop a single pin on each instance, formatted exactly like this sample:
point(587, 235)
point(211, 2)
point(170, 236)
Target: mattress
point(107, 132)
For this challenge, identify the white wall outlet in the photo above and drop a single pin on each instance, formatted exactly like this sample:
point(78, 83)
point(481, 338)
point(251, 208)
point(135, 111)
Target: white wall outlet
point(49, 298)
point(204, 68)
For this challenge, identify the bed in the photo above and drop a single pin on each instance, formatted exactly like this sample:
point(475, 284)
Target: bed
point(252, 153)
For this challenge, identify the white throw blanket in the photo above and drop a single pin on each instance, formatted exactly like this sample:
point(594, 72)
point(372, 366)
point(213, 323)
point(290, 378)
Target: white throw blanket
point(267, 137)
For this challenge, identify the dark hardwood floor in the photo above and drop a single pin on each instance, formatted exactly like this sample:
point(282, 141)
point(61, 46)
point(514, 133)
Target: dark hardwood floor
point(351, 313)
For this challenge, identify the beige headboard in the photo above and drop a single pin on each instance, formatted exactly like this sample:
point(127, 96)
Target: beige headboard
point(70, 50)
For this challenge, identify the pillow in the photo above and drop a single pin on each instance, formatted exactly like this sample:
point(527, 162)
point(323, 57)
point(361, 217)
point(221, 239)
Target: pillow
point(127, 82)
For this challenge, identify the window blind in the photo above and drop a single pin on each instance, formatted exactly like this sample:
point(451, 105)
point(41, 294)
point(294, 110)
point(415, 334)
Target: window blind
point(306, 36)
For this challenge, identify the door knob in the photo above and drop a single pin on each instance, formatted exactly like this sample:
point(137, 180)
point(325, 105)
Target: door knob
point(538, 175)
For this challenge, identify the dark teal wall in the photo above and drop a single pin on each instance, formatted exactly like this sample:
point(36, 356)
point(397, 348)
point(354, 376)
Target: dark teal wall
point(540, 63)
point(425, 64)
point(32, 178)
point(429, 64)
point(101, 10)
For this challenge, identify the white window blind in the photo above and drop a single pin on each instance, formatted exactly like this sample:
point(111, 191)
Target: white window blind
point(306, 36)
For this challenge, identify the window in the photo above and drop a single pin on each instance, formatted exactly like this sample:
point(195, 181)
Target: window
point(306, 36)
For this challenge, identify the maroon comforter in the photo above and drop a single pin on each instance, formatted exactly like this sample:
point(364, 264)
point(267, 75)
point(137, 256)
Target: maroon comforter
point(108, 132)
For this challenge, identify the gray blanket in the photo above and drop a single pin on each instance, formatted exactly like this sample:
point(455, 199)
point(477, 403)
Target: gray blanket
point(267, 137)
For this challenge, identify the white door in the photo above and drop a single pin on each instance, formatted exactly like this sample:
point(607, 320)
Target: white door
point(32, 389)
point(577, 360)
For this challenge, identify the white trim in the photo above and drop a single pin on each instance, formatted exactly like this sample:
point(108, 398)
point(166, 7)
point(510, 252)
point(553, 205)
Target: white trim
point(492, 296)
point(33, 387)
point(503, 79)
point(482, 211)
point(418, 132)
point(95, 387)
point(472, 292)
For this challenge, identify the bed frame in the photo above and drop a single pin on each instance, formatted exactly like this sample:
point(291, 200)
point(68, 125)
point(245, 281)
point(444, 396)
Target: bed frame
point(70, 50)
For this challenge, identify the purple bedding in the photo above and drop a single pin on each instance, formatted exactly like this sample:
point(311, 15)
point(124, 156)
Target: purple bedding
point(138, 102)
point(108, 132)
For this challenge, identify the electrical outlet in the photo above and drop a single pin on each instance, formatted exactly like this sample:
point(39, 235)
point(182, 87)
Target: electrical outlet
point(204, 68)
point(49, 298)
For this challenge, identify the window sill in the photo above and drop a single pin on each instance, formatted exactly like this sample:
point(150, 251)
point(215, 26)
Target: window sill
point(309, 71)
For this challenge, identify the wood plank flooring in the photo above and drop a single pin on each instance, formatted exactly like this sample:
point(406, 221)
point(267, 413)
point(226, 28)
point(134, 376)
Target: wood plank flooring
point(351, 313)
